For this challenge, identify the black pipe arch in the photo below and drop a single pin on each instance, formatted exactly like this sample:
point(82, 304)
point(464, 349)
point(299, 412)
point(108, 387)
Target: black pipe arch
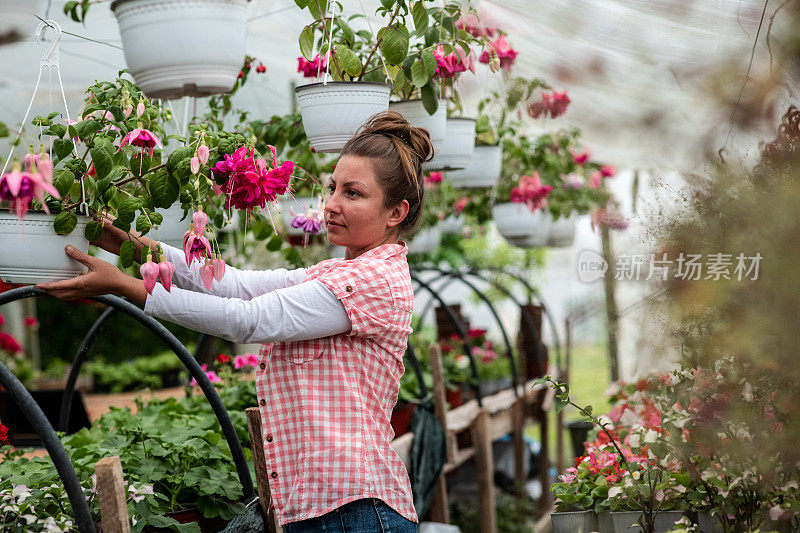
point(53, 445)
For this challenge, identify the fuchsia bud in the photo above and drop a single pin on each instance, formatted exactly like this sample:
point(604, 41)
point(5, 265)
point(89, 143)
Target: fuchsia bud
point(199, 221)
point(207, 275)
point(149, 272)
point(140, 109)
point(128, 111)
point(165, 272)
point(194, 165)
point(218, 265)
point(202, 154)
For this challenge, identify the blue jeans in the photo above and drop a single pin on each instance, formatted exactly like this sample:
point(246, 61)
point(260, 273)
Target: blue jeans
point(369, 515)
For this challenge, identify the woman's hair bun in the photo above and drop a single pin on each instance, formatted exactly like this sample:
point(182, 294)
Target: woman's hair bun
point(393, 124)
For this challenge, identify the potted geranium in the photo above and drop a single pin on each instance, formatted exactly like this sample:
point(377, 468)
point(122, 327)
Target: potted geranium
point(522, 220)
point(177, 48)
point(110, 165)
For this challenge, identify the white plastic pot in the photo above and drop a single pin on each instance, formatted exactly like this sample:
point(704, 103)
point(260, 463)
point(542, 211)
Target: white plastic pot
point(17, 20)
point(483, 169)
point(456, 151)
point(333, 112)
point(291, 207)
point(425, 241)
point(573, 522)
point(177, 48)
point(414, 112)
point(708, 524)
point(519, 226)
point(452, 225)
point(562, 230)
point(32, 252)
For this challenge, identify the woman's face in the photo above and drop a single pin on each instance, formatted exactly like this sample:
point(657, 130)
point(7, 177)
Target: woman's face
point(354, 212)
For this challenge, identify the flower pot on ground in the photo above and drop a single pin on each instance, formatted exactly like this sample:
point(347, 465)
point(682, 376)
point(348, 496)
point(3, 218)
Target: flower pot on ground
point(177, 48)
point(333, 112)
point(425, 241)
point(194, 516)
point(453, 396)
point(572, 522)
point(34, 253)
point(562, 230)
point(401, 417)
point(519, 226)
point(416, 115)
point(459, 144)
point(483, 169)
point(493, 386)
point(625, 521)
point(707, 523)
point(665, 520)
point(604, 522)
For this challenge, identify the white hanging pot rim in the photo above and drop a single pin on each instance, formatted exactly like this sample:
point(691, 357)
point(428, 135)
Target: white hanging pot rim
point(115, 3)
point(320, 84)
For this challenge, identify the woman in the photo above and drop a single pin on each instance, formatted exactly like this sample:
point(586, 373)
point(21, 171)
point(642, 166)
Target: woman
point(334, 334)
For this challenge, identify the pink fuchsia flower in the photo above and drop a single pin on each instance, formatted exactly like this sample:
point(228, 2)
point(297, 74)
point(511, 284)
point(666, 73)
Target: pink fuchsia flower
point(165, 273)
point(19, 188)
point(250, 182)
point(8, 343)
point(194, 165)
point(207, 275)
point(140, 109)
point(555, 104)
point(195, 247)
point(241, 361)
point(2, 320)
point(608, 217)
point(531, 192)
point(475, 26)
point(581, 158)
point(560, 103)
point(149, 272)
point(218, 267)
point(202, 154)
point(502, 50)
point(595, 180)
point(467, 59)
point(212, 376)
point(199, 221)
point(141, 138)
point(310, 69)
point(460, 204)
point(433, 180)
point(607, 171)
point(572, 181)
point(447, 66)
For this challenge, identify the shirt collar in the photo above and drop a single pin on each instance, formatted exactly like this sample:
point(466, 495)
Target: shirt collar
point(385, 251)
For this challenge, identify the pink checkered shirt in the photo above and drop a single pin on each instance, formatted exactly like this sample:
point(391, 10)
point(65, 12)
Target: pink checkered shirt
point(326, 403)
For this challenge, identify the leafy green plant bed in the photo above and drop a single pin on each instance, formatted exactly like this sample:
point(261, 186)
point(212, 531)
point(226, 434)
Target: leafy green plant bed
point(149, 371)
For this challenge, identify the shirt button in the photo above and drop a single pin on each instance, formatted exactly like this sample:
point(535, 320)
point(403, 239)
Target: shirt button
point(269, 438)
point(262, 402)
point(274, 475)
point(263, 366)
point(349, 288)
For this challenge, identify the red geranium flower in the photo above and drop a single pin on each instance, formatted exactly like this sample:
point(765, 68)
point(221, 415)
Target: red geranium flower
point(223, 359)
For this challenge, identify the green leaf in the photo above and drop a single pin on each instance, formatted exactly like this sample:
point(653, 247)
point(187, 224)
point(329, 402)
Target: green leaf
point(86, 128)
point(420, 16)
point(348, 60)
point(143, 224)
point(394, 44)
point(429, 100)
point(65, 222)
point(93, 231)
point(63, 180)
point(57, 130)
point(126, 253)
point(347, 33)
point(430, 62)
point(102, 161)
point(164, 189)
point(275, 243)
point(62, 147)
point(419, 75)
point(307, 42)
point(140, 163)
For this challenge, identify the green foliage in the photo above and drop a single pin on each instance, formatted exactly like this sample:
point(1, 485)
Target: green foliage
point(148, 371)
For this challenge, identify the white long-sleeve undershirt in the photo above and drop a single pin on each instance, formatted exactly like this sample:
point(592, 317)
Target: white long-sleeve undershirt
point(248, 306)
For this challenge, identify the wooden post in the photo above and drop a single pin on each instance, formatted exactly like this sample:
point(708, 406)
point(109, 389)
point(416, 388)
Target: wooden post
point(112, 495)
point(440, 511)
point(260, 466)
point(485, 463)
point(518, 421)
point(544, 458)
point(565, 377)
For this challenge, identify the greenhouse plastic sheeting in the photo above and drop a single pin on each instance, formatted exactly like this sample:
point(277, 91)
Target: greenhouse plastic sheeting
point(428, 455)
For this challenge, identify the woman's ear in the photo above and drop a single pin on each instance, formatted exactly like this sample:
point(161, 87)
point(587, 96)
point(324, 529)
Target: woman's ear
point(398, 214)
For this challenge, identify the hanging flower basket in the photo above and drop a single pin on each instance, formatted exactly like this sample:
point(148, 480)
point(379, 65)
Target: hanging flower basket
point(34, 253)
point(483, 169)
point(416, 115)
point(519, 226)
point(562, 230)
point(333, 112)
point(452, 225)
point(425, 241)
point(459, 143)
point(177, 48)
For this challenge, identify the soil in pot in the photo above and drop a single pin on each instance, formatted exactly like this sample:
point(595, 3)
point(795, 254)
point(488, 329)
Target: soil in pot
point(401, 418)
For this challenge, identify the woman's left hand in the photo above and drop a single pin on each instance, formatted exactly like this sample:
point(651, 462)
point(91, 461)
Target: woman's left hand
point(102, 278)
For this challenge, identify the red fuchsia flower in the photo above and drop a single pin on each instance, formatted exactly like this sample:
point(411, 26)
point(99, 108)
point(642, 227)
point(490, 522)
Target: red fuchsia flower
point(207, 274)
point(2, 320)
point(31, 322)
point(240, 75)
point(165, 273)
point(447, 66)
point(531, 192)
point(249, 182)
point(560, 103)
point(19, 188)
point(149, 272)
point(581, 158)
point(218, 266)
point(142, 138)
point(223, 359)
point(202, 154)
point(540, 108)
point(475, 333)
point(596, 179)
point(502, 50)
point(309, 69)
point(555, 104)
point(608, 171)
point(460, 204)
point(261, 69)
point(8, 343)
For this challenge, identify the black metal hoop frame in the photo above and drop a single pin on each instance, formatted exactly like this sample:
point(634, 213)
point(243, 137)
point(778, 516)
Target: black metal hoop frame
point(45, 430)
